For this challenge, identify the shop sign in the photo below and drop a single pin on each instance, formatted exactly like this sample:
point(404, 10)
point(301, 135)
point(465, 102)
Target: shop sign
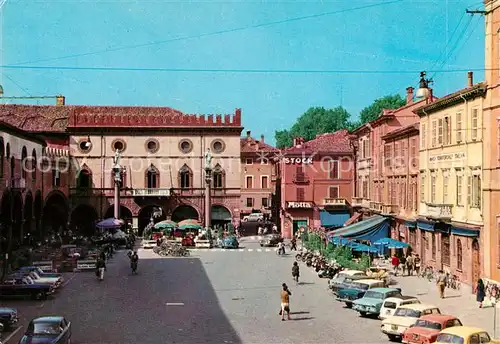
point(297, 205)
point(447, 157)
point(292, 161)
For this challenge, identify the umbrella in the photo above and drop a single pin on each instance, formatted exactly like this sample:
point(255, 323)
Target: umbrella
point(119, 235)
point(110, 223)
point(167, 224)
point(391, 243)
point(340, 241)
point(397, 244)
point(189, 224)
point(364, 248)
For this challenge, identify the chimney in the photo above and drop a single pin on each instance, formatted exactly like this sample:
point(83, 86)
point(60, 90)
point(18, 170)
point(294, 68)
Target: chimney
point(60, 100)
point(470, 79)
point(261, 138)
point(295, 141)
point(249, 137)
point(409, 95)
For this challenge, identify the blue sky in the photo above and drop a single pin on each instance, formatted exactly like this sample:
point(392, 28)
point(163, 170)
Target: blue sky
point(401, 37)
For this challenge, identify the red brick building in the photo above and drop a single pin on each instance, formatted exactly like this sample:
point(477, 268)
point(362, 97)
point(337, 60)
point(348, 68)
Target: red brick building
point(317, 182)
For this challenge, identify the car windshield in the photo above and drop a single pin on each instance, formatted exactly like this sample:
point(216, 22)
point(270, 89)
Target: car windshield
point(42, 328)
point(374, 295)
point(360, 286)
point(406, 312)
point(429, 324)
point(449, 339)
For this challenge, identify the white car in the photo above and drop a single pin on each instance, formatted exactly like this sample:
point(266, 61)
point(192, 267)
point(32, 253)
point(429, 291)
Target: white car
point(405, 317)
point(392, 303)
point(254, 217)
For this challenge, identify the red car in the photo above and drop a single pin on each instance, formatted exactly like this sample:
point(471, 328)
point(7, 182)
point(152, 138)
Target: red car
point(427, 328)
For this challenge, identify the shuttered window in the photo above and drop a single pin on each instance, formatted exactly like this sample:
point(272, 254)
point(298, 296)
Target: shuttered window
point(459, 127)
point(333, 192)
point(440, 131)
point(301, 195)
point(474, 124)
point(423, 136)
point(334, 169)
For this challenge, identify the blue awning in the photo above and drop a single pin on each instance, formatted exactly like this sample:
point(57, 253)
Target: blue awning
point(425, 226)
point(333, 219)
point(466, 232)
point(372, 229)
point(411, 224)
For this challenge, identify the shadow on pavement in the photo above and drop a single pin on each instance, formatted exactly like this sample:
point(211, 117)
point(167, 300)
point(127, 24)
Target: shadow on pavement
point(306, 283)
point(297, 313)
point(302, 318)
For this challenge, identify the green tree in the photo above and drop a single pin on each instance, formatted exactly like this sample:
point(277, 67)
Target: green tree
point(374, 110)
point(315, 121)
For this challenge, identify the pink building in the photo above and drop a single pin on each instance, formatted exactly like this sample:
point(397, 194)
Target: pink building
point(317, 182)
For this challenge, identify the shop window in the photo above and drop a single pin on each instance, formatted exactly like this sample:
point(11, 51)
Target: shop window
point(459, 254)
point(433, 245)
point(445, 249)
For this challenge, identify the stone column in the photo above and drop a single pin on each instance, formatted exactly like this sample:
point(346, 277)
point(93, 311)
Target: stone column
point(208, 203)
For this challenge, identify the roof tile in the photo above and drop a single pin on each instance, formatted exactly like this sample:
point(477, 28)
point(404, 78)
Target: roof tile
point(337, 142)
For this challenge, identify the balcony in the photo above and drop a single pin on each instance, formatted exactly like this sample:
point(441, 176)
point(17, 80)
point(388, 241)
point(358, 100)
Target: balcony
point(439, 211)
point(376, 206)
point(301, 178)
point(360, 202)
point(334, 202)
point(17, 183)
point(151, 192)
point(390, 209)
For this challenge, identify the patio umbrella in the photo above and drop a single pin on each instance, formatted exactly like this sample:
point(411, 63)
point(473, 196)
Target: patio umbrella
point(110, 223)
point(364, 248)
point(167, 224)
point(340, 241)
point(189, 224)
point(383, 241)
point(391, 243)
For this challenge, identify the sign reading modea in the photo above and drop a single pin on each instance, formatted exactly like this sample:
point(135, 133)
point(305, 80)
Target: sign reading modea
point(305, 161)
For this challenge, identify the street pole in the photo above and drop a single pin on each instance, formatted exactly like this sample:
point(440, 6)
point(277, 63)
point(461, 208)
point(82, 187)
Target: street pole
point(208, 205)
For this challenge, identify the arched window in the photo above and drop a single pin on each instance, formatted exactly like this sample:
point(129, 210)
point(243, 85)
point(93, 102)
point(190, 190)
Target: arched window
point(218, 177)
point(459, 254)
point(152, 177)
point(34, 166)
point(433, 246)
point(2, 157)
point(24, 160)
point(185, 177)
point(84, 180)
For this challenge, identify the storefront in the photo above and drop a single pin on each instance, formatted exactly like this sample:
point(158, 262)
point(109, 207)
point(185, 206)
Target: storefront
point(297, 215)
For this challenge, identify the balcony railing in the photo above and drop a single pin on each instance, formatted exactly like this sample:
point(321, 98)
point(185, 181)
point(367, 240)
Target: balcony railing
point(151, 192)
point(301, 178)
point(334, 202)
point(357, 201)
point(17, 183)
point(376, 206)
point(439, 211)
point(390, 209)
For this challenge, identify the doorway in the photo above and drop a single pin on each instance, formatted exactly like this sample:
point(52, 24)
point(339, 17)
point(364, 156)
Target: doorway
point(476, 262)
point(297, 224)
point(423, 245)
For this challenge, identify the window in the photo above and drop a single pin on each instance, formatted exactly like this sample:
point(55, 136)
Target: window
point(249, 202)
point(459, 254)
point(334, 169)
point(185, 176)
point(366, 148)
point(248, 161)
point(118, 145)
point(249, 181)
point(422, 187)
point(446, 181)
point(264, 182)
point(460, 184)
point(365, 189)
point(333, 192)
point(415, 195)
point(56, 177)
point(361, 149)
point(185, 146)
point(404, 153)
point(423, 136)
point(153, 178)
point(394, 191)
point(474, 125)
point(301, 195)
point(388, 155)
point(403, 193)
point(433, 188)
point(474, 191)
point(459, 127)
point(152, 146)
point(218, 146)
point(440, 131)
point(434, 133)
point(12, 167)
point(265, 202)
point(445, 249)
point(433, 245)
point(447, 130)
point(218, 177)
point(397, 155)
point(300, 175)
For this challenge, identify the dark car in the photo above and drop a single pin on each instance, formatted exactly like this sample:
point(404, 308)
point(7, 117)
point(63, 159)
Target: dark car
point(25, 287)
point(270, 240)
point(48, 330)
point(8, 318)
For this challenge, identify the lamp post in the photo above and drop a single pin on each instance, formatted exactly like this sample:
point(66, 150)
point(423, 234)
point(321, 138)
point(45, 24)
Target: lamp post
point(117, 170)
point(208, 182)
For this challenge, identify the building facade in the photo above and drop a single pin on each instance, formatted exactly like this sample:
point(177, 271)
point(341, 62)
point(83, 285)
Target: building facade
point(316, 182)
point(258, 177)
point(451, 166)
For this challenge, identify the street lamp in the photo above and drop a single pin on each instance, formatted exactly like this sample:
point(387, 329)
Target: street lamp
point(423, 91)
point(117, 170)
point(208, 182)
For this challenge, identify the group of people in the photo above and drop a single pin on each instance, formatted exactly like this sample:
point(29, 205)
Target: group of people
point(101, 264)
point(408, 264)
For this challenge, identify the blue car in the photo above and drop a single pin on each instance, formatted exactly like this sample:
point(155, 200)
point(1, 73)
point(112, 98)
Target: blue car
point(48, 330)
point(230, 242)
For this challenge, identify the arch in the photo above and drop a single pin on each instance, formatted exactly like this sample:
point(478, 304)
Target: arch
point(24, 158)
point(84, 178)
point(125, 213)
point(2, 157)
point(28, 215)
point(148, 213)
point(185, 177)
point(185, 212)
point(17, 218)
point(83, 219)
point(34, 164)
point(218, 177)
point(152, 176)
point(55, 213)
point(220, 215)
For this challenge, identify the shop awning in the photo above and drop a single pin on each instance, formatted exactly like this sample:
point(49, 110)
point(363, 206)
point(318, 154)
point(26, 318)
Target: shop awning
point(333, 219)
point(411, 224)
point(465, 232)
point(353, 219)
point(425, 226)
point(372, 229)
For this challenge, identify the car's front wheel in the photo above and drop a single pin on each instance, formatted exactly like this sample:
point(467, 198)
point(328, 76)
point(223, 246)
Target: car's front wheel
point(363, 314)
point(348, 305)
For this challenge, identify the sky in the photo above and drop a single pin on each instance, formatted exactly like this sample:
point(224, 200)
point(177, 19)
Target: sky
point(272, 59)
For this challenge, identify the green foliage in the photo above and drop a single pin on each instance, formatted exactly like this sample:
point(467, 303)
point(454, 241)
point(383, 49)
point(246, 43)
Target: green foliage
point(283, 139)
point(314, 242)
point(365, 262)
point(374, 110)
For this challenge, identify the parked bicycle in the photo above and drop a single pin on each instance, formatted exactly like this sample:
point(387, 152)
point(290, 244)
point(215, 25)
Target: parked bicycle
point(453, 282)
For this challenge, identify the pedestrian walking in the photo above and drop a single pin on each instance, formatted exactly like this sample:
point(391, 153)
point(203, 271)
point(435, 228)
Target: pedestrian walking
point(285, 302)
point(409, 264)
point(294, 244)
point(395, 264)
point(441, 283)
point(417, 263)
point(295, 272)
point(480, 292)
point(402, 264)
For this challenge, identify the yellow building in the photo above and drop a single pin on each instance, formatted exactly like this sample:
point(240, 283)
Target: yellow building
point(450, 204)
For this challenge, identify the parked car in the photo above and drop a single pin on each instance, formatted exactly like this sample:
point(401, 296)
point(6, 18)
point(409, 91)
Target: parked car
point(55, 281)
point(373, 299)
point(340, 280)
point(427, 328)
point(41, 273)
point(356, 290)
point(48, 330)
point(464, 335)
point(230, 242)
point(25, 287)
point(392, 303)
point(405, 317)
point(8, 318)
point(254, 217)
point(270, 240)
